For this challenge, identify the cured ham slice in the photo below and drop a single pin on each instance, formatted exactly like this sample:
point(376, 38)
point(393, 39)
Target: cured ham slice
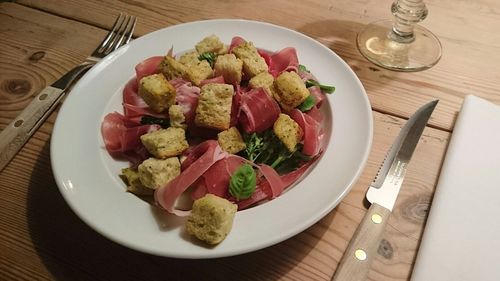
point(210, 152)
point(122, 137)
point(258, 111)
point(318, 95)
point(311, 129)
point(218, 79)
point(187, 97)
point(235, 42)
point(147, 67)
point(284, 60)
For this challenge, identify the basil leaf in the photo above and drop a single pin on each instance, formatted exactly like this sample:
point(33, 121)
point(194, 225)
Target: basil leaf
point(325, 88)
point(148, 119)
point(208, 56)
point(242, 183)
point(307, 104)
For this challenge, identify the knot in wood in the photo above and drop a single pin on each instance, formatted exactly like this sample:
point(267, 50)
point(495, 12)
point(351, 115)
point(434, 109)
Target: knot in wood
point(16, 86)
point(36, 56)
point(385, 249)
point(416, 208)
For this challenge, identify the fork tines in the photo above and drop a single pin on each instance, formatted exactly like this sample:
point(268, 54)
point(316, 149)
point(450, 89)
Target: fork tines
point(120, 34)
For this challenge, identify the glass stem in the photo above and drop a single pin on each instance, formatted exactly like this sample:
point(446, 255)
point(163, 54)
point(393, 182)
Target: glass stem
point(406, 14)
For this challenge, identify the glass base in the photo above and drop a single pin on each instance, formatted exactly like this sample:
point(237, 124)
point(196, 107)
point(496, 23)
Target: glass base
point(376, 43)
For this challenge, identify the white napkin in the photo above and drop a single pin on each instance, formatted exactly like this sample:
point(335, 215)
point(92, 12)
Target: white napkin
point(461, 239)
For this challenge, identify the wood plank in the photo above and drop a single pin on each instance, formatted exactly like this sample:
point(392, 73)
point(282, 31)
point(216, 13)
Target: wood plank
point(66, 248)
point(468, 51)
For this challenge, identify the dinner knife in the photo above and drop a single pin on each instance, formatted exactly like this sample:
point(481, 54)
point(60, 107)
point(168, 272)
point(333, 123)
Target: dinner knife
point(382, 194)
point(15, 135)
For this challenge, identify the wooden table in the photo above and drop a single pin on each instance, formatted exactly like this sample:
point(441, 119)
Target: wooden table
point(42, 239)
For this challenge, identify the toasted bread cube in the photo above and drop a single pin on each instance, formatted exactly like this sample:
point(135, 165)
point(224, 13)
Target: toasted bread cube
point(288, 131)
point(134, 184)
point(172, 69)
point(263, 80)
point(210, 43)
point(211, 219)
point(214, 106)
point(290, 90)
point(157, 92)
point(176, 116)
point(231, 141)
point(155, 173)
point(199, 72)
point(190, 58)
point(253, 63)
point(230, 67)
point(165, 143)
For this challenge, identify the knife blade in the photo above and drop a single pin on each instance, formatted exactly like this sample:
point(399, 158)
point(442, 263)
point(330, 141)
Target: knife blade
point(382, 195)
point(14, 136)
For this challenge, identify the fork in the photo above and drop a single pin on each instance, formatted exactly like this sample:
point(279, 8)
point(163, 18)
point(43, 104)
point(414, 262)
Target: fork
point(17, 133)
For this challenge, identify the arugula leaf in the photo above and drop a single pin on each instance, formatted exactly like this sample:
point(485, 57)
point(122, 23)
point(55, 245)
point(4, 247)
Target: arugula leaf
point(303, 68)
point(208, 56)
point(148, 119)
point(242, 183)
point(266, 148)
point(307, 104)
point(325, 88)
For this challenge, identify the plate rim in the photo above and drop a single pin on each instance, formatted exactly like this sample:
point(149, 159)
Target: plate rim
point(312, 219)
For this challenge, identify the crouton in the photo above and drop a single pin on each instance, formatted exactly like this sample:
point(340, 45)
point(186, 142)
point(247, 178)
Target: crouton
point(190, 58)
point(210, 43)
point(155, 173)
point(288, 131)
point(176, 116)
point(165, 143)
point(199, 72)
point(230, 67)
point(263, 80)
point(134, 184)
point(290, 90)
point(157, 92)
point(231, 141)
point(172, 69)
point(211, 219)
point(214, 106)
point(253, 63)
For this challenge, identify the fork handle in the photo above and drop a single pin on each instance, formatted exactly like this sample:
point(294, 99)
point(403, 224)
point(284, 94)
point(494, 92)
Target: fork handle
point(15, 135)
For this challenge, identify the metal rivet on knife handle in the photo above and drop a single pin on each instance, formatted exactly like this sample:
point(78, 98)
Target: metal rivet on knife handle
point(376, 218)
point(360, 254)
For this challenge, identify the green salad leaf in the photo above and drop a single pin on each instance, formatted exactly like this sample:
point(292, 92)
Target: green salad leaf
point(303, 68)
point(307, 104)
point(208, 56)
point(148, 119)
point(266, 148)
point(243, 181)
point(325, 88)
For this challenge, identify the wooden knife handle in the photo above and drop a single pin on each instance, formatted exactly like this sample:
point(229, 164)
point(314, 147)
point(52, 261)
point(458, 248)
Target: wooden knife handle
point(362, 248)
point(15, 135)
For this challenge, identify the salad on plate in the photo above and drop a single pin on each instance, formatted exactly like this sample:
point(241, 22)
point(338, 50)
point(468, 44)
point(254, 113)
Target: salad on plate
point(229, 126)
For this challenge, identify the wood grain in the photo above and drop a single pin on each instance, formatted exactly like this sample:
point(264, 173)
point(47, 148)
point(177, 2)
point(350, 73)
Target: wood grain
point(467, 30)
point(42, 239)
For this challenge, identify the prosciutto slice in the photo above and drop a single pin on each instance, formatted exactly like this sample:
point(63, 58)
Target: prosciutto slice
point(187, 97)
point(284, 60)
point(210, 152)
point(147, 67)
point(122, 137)
point(258, 111)
point(218, 79)
point(311, 129)
point(235, 42)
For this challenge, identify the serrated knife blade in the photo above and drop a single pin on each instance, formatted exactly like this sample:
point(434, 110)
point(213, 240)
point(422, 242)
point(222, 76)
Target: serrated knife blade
point(382, 193)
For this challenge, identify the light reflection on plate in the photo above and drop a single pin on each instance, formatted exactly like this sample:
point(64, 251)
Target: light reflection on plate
point(98, 195)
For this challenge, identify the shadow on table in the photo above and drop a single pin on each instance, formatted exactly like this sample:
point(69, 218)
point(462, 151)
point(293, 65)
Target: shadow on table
point(340, 37)
point(71, 250)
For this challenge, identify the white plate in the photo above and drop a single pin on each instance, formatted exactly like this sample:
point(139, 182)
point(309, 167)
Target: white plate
point(88, 177)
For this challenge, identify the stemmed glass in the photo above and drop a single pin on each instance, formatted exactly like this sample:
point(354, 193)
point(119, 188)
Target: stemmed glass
point(401, 44)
